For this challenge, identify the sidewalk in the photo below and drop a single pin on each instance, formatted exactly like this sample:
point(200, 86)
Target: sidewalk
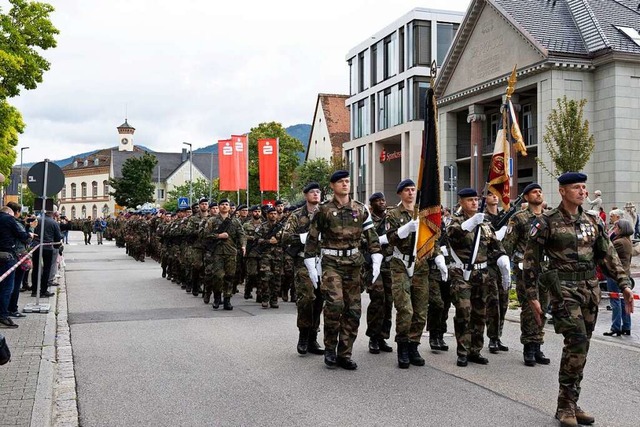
point(37, 388)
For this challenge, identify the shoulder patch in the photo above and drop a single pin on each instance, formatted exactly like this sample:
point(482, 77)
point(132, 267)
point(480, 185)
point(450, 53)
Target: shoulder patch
point(537, 227)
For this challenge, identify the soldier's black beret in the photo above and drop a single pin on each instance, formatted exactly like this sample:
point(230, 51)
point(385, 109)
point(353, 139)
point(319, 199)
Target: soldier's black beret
point(221, 201)
point(279, 202)
point(572, 178)
point(311, 186)
point(530, 187)
point(376, 196)
point(254, 208)
point(232, 204)
point(404, 184)
point(212, 204)
point(467, 192)
point(338, 175)
point(194, 206)
point(271, 209)
point(203, 200)
point(241, 207)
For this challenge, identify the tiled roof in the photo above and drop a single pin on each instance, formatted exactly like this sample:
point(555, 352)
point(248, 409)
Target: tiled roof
point(103, 156)
point(337, 117)
point(126, 125)
point(167, 163)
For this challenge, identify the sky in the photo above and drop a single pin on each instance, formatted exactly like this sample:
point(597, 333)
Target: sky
point(192, 70)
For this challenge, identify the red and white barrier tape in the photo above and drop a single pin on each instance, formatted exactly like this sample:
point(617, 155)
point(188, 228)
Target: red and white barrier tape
point(21, 260)
point(617, 295)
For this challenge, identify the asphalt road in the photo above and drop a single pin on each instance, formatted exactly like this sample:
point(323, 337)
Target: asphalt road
point(147, 353)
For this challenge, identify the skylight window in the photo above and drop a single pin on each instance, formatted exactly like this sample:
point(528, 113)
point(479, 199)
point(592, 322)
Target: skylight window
point(632, 33)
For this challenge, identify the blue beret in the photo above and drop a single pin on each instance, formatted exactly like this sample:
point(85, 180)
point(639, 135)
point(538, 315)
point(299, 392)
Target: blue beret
point(467, 192)
point(212, 204)
point(338, 175)
point(231, 203)
point(572, 178)
point(530, 187)
point(376, 196)
point(224, 201)
point(311, 186)
point(403, 184)
point(271, 209)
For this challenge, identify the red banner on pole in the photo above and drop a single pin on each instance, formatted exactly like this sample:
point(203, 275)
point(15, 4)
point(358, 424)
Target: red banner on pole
point(268, 163)
point(227, 166)
point(241, 149)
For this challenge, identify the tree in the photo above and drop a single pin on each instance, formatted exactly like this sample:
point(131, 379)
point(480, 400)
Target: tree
point(136, 186)
point(23, 29)
point(28, 198)
point(288, 152)
point(567, 138)
point(200, 189)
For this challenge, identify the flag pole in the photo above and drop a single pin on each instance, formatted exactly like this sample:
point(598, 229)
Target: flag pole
point(278, 165)
point(247, 169)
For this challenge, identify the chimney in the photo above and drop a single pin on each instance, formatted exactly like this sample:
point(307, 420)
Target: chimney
point(184, 156)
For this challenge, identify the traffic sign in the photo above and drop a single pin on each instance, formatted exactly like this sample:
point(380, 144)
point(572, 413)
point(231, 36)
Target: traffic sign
point(183, 202)
point(55, 179)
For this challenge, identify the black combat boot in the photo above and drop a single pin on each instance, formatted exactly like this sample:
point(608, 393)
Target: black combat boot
point(374, 348)
point(540, 357)
point(441, 343)
point(195, 289)
point(227, 303)
point(529, 354)
point(164, 271)
point(303, 341)
point(414, 355)
point(501, 346)
point(403, 355)
point(330, 358)
point(206, 296)
point(313, 346)
point(384, 346)
point(216, 300)
point(433, 341)
point(294, 295)
point(493, 346)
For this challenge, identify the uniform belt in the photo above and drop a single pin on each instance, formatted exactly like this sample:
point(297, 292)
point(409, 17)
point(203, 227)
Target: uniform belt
point(576, 275)
point(401, 257)
point(478, 266)
point(340, 252)
point(435, 267)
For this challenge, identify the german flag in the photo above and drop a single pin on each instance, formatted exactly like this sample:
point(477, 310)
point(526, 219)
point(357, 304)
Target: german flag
point(428, 196)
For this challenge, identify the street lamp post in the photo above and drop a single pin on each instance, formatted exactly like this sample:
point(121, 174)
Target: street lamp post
point(21, 174)
point(190, 172)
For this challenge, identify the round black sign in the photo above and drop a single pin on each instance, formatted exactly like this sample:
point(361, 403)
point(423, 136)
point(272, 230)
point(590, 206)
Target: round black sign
point(35, 179)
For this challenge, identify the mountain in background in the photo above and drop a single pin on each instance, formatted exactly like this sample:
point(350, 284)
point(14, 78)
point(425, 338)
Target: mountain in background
point(302, 132)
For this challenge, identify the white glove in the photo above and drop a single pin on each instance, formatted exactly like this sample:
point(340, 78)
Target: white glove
point(501, 233)
point(310, 263)
point(504, 264)
point(377, 262)
point(442, 266)
point(408, 228)
point(303, 237)
point(472, 222)
point(444, 250)
point(383, 239)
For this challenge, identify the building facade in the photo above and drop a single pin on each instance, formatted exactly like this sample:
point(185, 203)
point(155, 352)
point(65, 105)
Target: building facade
point(389, 76)
point(329, 129)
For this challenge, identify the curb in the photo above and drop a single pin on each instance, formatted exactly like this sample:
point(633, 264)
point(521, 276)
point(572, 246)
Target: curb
point(41, 412)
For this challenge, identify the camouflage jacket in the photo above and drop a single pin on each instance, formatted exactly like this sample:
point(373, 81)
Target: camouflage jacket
point(264, 247)
point(494, 219)
point(573, 243)
point(517, 235)
point(251, 228)
point(298, 223)
point(461, 241)
point(230, 246)
point(381, 226)
point(194, 227)
point(342, 227)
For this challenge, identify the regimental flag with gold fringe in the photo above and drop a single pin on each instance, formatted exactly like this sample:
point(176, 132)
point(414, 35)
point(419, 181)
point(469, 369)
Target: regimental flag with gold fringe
point(428, 196)
point(508, 134)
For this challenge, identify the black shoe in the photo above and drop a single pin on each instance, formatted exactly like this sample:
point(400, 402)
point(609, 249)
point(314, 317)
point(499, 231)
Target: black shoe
point(17, 314)
point(433, 342)
point(374, 348)
point(493, 346)
point(403, 355)
point(7, 323)
point(330, 358)
point(216, 300)
point(206, 297)
point(313, 347)
point(414, 356)
point(384, 346)
point(303, 341)
point(227, 303)
point(477, 358)
point(528, 353)
point(462, 361)
point(443, 345)
point(501, 346)
point(612, 333)
point(347, 363)
point(46, 294)
point(195, 291)
point(248, 296)
point(626, 332)
point(540, 357)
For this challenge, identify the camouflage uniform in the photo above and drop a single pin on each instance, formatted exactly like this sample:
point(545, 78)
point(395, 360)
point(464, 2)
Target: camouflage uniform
point(575, 244)
point(183, 247)
point(252, 258)
point(195, 255)
point(342, 228)
point(498, 302)
point(220, 256)
point(514, 243)
point(471, 298)
point(270, 262)
point(439, 301)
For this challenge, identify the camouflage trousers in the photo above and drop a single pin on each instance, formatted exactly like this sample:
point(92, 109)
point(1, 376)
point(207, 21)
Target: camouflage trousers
point(288, 275)
point(439, 303)
point(251, 269)
point(530, 331)
point(575, 318)
point(270, 272)
point(196, 267)
point(340, 287)
point(219, 271)
point(497, 306)
point(411, 299)
point(470, 300)
point(380, 304)
point(309, 303)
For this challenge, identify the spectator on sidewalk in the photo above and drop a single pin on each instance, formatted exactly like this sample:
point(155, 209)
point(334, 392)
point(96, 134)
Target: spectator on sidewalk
point(30, 225)
point(620, 318)
point(98, 227)
point(51, 235)
point(65, 227)
point(21, 250)
point(10, 231)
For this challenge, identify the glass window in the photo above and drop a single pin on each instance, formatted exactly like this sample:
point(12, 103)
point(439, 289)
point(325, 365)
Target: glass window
point(84, 211)
point(73, 190)
point(494, 126)
point(105, 211)
point(105, 184)
point(527, 127)
point(96, 161)
point(94, 189)
point(360, 71)
point(422, 43)
point(445, 35)
point(362, 174)
point(73, 212)
point(63, 211)
point(353, 84)
point(359, 121)
point(94, 212)
point(374, 61)
point(401, 50)
point(160, 194)
point(390, 56)
point(83, 189)
point(419, 96)
point(63, 193)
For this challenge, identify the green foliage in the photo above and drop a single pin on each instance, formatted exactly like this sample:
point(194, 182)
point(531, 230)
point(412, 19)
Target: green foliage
point(136, 186)
point(11, 125)
point(28, 198)
point(200, 189)
point(289, 149)
point(567, 138)
point(318, 170)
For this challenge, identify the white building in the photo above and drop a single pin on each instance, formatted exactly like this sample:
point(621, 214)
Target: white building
point(389, 75)
point(329, 129)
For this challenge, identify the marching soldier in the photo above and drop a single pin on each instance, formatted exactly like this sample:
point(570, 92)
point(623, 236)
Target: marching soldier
point(471, 288)
point(270, 263)
point(439, 296)
point(252, 257)
point(195, 224)
point(343, 223)
point(575, 242)
point(309, 302)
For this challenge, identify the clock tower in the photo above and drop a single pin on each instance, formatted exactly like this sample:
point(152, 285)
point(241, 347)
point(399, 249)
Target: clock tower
point(125, 135)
